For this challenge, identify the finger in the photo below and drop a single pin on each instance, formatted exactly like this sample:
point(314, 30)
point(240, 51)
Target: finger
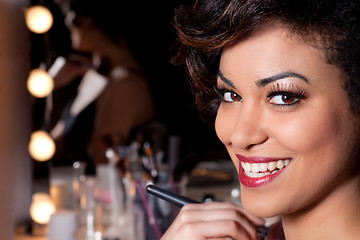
point(254, 219)
point(208, 230)
point(221, 229)
point(232, 230)
point(209, 205)
point(216, 214)
point(223, 238)
point(226, 205)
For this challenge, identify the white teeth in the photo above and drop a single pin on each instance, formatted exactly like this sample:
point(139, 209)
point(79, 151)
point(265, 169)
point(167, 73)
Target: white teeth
point(280, 164)
point(256, 170)
point(272, 166)
point(286, 162)
point(257, 175)
point(247, 167)
point(255, 167)
point(263, 167)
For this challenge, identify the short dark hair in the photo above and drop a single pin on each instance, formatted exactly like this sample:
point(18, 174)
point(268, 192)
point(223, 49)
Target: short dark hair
point(209, 26)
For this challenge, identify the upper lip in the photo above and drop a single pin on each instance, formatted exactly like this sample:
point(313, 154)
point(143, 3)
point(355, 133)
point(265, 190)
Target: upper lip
point(257, 159)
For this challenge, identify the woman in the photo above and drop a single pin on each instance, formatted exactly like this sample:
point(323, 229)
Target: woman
point(283, 79)
point(114, 93)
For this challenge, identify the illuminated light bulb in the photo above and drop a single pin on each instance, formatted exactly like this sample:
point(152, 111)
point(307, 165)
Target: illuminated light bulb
point(235, 193)
point(41, 146)
point(40, 84)
point(38, 19)
point(41, 208)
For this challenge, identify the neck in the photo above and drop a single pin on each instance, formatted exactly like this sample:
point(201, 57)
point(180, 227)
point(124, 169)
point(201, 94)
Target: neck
point(335, 216)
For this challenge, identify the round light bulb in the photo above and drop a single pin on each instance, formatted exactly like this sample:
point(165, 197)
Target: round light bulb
point(41, 146)
point(41, 208)
point(38, 19)
point(40, 84)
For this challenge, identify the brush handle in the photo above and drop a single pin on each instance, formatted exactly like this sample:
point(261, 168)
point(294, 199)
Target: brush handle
point(168, 196)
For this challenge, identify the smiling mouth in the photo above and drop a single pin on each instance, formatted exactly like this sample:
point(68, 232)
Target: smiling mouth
point(257, 170)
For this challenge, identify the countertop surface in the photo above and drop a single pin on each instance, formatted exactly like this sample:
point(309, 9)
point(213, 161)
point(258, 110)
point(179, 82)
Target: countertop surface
point(210, 178)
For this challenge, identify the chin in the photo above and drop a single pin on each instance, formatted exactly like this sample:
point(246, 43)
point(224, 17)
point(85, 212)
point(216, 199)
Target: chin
point(260, 206)
point(262, 213)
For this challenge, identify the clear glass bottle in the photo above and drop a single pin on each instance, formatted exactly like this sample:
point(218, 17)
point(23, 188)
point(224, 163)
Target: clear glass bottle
point(78, 173)
point(90, 227)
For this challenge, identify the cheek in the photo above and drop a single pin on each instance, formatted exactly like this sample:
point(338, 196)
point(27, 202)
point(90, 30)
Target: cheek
point(80, 40)
point(75, 38)
point(223, 126)
point(305, 132)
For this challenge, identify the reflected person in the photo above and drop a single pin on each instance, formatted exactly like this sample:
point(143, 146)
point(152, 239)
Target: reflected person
point(114, 97)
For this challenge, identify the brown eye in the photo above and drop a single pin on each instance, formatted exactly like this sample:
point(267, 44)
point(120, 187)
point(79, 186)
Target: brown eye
point(232, 97)
point(284, 99)
point(288, 99)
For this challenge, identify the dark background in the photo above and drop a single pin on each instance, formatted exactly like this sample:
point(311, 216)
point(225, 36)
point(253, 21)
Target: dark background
point(174, 102)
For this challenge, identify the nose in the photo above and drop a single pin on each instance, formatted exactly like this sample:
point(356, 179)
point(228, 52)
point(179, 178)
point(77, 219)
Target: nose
point(248, 127)
point(69, 18)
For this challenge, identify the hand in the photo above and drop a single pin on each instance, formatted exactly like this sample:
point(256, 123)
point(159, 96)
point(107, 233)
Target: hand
point(213, 220)
point(75, 66)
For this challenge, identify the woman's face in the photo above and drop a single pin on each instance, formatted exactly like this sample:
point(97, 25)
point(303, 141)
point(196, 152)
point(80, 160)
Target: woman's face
point(82, 32)
point(286, 122)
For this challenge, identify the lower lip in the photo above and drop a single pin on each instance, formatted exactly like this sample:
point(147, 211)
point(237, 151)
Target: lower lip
point(256, 182)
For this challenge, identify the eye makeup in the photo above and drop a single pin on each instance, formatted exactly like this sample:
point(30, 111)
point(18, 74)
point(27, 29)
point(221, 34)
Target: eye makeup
point(226, 92)
point(286, 94)
point(226, 95)
point(281, 94)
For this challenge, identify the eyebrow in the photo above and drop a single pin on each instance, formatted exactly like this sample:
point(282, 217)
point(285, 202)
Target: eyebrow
point(225, 80)
point(263, 82)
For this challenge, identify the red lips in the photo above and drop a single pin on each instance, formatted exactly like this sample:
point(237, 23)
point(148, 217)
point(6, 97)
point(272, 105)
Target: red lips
point(248, 181)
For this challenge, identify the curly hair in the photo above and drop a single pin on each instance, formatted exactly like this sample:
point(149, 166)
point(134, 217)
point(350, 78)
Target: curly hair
point(207, 28)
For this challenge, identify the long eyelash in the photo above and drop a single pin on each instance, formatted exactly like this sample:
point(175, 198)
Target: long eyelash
point(290, 94)
point(221, 86)
point(221, 89)
point(287, 89)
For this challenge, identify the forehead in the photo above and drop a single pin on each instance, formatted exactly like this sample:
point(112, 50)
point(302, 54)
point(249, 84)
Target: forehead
point(273, 49)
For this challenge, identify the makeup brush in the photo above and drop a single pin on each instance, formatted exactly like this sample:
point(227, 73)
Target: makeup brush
point(180, 201)
point(170, 197)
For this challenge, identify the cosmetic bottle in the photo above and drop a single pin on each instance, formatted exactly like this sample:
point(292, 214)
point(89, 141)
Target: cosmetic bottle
point(90, 227)
point(78, 172)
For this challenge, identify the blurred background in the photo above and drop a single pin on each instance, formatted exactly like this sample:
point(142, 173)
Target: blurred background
point(22, 113)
